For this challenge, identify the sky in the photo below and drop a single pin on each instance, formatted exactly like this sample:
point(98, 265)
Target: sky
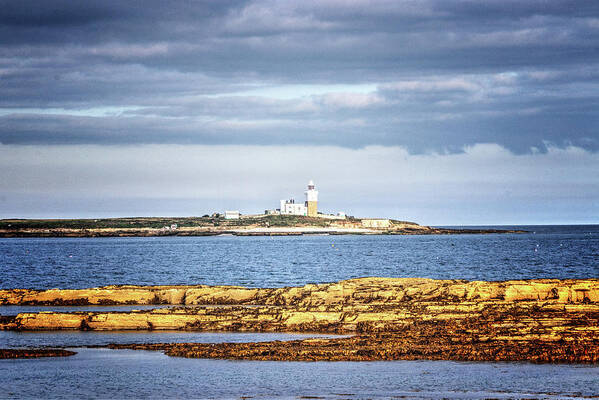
point(439, 112)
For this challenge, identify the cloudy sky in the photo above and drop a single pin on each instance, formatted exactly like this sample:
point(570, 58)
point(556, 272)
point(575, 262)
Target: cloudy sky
point(439, 112)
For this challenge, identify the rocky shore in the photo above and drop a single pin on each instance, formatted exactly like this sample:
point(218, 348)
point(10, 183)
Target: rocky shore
point(63, 232)
point(424, 342)
point(263, 225)
point(34, 353)
point(545, 320)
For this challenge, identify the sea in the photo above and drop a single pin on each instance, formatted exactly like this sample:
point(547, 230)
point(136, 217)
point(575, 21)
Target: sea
point(42, 263)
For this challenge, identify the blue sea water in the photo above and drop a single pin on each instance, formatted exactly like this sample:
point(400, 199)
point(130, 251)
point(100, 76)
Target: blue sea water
point(124, 374)
point(543, 252)
point(41, 339)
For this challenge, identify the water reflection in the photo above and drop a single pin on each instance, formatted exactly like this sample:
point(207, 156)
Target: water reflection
point(103, 373)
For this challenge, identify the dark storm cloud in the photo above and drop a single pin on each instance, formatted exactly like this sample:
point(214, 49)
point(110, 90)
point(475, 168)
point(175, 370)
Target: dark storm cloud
point(447, 73)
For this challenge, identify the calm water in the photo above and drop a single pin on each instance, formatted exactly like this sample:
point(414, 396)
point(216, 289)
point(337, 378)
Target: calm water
point(117, 374)
point(11, 339)
point(545, 252)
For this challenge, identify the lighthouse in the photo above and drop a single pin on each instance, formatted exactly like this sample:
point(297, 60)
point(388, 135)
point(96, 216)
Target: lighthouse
point(312, 200)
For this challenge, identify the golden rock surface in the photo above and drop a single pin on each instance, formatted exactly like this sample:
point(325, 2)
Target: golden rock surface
point(349, 292)
point(545, 320)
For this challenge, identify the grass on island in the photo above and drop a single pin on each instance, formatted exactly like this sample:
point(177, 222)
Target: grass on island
point(206, 221)
point(157, 223)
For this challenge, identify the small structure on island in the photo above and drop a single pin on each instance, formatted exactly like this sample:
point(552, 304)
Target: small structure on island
point(290, 207)
point(232, 214)
point(376, 223)
point(307, 208)
point(311, 200)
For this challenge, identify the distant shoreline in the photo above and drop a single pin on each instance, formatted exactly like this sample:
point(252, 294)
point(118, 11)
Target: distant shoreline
point(261, 225)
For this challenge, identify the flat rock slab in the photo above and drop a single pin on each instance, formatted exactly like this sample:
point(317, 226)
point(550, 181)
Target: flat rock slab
point(34, 353)
point(545, 320)
point(348, 292)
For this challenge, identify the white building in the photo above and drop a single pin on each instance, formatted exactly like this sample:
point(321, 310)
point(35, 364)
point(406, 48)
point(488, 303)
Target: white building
point(307, 208)
point(290, 207)
point(232, 214)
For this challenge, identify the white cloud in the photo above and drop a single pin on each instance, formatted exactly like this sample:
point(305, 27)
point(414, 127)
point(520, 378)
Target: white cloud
point(296, 91)
point(120, 50)
point(351, 100)
point(433, 85)
point(265, 17)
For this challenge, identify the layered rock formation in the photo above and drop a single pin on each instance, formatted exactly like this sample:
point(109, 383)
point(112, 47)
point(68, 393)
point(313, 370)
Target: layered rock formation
point(352, 292)
point(34, 353)
point(424, 341)
point(537, 320)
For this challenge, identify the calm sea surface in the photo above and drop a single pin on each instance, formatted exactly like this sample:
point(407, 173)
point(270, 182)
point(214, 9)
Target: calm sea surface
point(545, 252)
point(119, 374)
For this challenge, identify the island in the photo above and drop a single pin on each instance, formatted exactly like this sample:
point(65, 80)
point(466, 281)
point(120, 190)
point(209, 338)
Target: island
point(540, 320)
point(217, 224)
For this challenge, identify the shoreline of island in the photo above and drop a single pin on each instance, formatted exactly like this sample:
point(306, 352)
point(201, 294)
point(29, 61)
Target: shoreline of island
point(541, 320)
point(252, 225)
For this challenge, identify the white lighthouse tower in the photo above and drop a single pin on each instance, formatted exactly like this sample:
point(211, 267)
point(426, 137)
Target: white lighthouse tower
point(312, 200)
